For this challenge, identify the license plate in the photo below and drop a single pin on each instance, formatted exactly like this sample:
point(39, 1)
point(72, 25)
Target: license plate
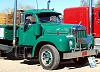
point(84, 53)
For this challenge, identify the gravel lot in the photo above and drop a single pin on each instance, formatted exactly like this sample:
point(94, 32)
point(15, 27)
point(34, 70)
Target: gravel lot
point(30, 66)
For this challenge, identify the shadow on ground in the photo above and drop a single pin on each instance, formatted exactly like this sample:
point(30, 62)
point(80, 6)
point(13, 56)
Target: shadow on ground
point(31, 62)
point(69, 64)
point(63, 64)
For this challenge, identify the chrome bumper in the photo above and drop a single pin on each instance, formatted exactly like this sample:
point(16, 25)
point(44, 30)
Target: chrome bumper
point(79, 54)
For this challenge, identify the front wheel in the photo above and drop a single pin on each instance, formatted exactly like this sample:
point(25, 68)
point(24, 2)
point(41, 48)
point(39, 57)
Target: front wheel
point(49, 57)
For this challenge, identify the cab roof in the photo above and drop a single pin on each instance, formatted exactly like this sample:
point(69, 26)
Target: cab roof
point(38, 11)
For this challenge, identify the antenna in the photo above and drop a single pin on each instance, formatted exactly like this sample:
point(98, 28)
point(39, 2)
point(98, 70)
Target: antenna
point(37, 4)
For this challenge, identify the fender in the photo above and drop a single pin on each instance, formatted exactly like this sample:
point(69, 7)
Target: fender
point(61, 42)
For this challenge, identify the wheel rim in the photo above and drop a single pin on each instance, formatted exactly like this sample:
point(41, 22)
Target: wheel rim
point(46, 58)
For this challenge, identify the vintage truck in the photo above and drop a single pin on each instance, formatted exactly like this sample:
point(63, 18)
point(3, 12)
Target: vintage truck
point(42, 35)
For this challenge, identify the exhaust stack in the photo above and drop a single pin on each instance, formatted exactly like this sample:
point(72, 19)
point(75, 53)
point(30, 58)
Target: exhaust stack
point(14, 25)
point(90, 15)
point(48, 4)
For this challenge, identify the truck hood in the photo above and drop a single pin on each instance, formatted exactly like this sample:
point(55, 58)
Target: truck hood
point(58, 28)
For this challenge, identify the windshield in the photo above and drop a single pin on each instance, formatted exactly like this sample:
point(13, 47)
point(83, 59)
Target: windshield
point(49, 17)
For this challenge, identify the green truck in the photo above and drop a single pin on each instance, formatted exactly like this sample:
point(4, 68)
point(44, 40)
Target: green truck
point(42, 35)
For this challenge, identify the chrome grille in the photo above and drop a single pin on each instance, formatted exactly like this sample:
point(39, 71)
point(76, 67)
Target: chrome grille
point(79, 36)
point(79, 33)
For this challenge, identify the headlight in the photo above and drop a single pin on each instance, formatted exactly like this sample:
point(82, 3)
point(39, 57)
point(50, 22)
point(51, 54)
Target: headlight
point(70, 43)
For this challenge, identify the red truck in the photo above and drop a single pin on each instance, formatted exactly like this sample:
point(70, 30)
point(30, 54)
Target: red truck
point(80, 15)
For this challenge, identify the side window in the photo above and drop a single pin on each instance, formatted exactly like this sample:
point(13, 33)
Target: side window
point(99, 15)
point(29, 18)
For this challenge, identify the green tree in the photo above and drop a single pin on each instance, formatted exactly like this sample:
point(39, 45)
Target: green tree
point(84, 2)
point(98, 3)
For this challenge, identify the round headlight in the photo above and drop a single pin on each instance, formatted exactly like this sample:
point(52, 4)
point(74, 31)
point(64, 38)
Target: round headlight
point(70, 43)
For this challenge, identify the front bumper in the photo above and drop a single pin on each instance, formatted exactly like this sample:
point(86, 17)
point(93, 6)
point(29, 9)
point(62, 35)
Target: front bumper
point(79, 54)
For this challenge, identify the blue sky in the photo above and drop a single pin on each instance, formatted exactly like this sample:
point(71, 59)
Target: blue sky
point(58, 5)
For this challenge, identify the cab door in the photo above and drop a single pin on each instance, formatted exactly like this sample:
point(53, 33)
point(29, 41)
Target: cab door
point(96, 22)
point(26, 30)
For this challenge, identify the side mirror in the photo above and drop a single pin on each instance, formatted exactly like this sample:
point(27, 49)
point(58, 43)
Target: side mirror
point(22, 18)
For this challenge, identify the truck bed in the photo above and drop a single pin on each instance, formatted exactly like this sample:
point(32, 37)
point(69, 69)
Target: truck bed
point(6, 37)
point(6, 32)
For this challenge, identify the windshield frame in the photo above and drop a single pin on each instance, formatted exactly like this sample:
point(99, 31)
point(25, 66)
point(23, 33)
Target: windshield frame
point(47, 15)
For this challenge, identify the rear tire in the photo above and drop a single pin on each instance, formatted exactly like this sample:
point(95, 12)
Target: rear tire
point(49, 57)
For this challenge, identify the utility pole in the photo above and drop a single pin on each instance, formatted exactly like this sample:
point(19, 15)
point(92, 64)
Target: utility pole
point(14, 25)
point(48, 4)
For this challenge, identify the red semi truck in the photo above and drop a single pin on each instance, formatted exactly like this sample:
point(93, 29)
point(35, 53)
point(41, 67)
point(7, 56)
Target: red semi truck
point(80, 15)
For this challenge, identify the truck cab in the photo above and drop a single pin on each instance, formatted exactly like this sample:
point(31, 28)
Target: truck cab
point(42, 35)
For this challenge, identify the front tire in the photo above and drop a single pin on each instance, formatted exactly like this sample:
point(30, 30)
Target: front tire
point(49, 57)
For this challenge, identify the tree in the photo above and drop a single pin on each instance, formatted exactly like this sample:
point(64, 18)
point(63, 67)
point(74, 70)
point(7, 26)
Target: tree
point(98, 3)
point(84, 2)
